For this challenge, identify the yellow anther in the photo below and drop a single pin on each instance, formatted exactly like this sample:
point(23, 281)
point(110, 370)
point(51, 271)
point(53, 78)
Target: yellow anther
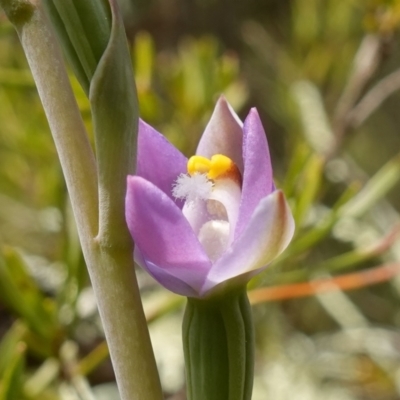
point(218, 166)
point(198, 164)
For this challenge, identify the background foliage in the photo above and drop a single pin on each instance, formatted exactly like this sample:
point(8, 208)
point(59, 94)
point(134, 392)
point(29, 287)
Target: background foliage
point(324, 76)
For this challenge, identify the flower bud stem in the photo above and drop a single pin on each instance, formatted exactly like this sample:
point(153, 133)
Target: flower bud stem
point(218, 342)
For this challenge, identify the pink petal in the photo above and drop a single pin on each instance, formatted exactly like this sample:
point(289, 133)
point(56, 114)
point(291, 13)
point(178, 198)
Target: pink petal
point(167, 280)
point(267, 234)
point(163, 235)
point(223, 134)
point(257, 177)
point(158, 160)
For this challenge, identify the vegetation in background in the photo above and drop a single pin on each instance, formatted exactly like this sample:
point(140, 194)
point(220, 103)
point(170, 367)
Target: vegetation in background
point(325, 77)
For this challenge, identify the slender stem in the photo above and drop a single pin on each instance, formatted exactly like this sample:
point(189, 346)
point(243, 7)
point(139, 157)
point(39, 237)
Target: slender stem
point(125, 326)
point(69, 133)
point(111, 268)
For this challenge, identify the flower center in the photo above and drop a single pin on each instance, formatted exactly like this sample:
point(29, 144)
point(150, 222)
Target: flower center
point(218, 166)
point(212, 192)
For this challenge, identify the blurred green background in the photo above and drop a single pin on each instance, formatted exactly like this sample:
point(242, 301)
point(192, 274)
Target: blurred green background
point(324, 75)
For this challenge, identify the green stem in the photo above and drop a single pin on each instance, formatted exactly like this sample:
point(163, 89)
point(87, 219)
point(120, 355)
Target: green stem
point(218, 343)
point(69, 133)
point(110, 266)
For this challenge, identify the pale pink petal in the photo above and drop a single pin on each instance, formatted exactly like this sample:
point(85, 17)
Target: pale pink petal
point(223, 134)
point(257, 178)
point(163, 235)
point(267, 234)
point(158, 161)
point(162, 276)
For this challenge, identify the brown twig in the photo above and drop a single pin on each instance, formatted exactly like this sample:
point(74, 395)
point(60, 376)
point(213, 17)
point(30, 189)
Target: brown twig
point(350, 281)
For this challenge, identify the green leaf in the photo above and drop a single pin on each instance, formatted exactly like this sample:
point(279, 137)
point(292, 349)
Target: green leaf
point(310, 181)
point(317, 233)
point(316, 127)
point(83, 27)
point(115, 119)
point(144, 58)
point(42, 378)
point(8, 344)
point(297, 162)
point(20, 292)
point(11, 384)
point(374, 190)
point(77, 275)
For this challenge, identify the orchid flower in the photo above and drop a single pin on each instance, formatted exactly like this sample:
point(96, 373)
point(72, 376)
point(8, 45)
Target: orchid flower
point(214, 220)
